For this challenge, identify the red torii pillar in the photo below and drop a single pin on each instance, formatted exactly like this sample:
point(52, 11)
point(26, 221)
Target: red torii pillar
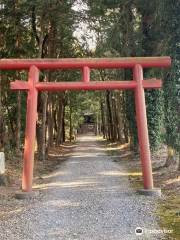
point(137, 84)
point(30, 131)
point(142, 128)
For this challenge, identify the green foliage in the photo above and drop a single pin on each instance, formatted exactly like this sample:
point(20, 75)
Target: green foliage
point(170, 23)
point(122, 28)
point(155, 117)
point(172, 110)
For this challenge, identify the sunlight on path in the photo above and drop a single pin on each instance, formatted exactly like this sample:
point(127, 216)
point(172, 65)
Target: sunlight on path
point(89, 198)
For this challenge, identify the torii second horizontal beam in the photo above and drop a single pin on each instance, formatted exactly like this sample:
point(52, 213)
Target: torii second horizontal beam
point(94, 85)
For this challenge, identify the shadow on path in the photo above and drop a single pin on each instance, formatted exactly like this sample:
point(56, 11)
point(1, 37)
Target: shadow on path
point(88, 198)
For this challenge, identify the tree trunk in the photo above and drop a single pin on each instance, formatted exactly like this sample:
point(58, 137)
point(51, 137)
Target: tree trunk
point(125, 120)
point(60, 118)
point(41, 127)
point(70, 122)
point(50, 120)
point(18, 129)
point(116, 127)
point(103, 120)
point(120, 116)
point(44, 117)
point(110, 120)
point(42, 106)
point(63, 127)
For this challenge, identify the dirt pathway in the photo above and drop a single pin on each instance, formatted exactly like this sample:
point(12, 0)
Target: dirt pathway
point(88, 198)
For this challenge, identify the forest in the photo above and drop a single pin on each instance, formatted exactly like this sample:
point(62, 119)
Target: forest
point(78, 29)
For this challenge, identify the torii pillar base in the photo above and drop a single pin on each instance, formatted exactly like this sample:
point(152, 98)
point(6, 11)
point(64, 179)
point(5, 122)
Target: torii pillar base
point(22, 195)
point(154, 192)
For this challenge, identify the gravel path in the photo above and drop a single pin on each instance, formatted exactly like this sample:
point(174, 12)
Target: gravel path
point(87, 198)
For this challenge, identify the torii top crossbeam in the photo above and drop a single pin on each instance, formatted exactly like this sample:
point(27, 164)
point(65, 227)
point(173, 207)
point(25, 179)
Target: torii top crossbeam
point(95, 63)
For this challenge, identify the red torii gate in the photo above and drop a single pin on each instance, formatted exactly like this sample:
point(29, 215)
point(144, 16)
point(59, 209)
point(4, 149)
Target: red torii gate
point(138, 84)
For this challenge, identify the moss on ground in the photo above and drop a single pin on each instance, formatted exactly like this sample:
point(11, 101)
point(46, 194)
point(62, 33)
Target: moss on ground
point(168, 209)
point(169, 212)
